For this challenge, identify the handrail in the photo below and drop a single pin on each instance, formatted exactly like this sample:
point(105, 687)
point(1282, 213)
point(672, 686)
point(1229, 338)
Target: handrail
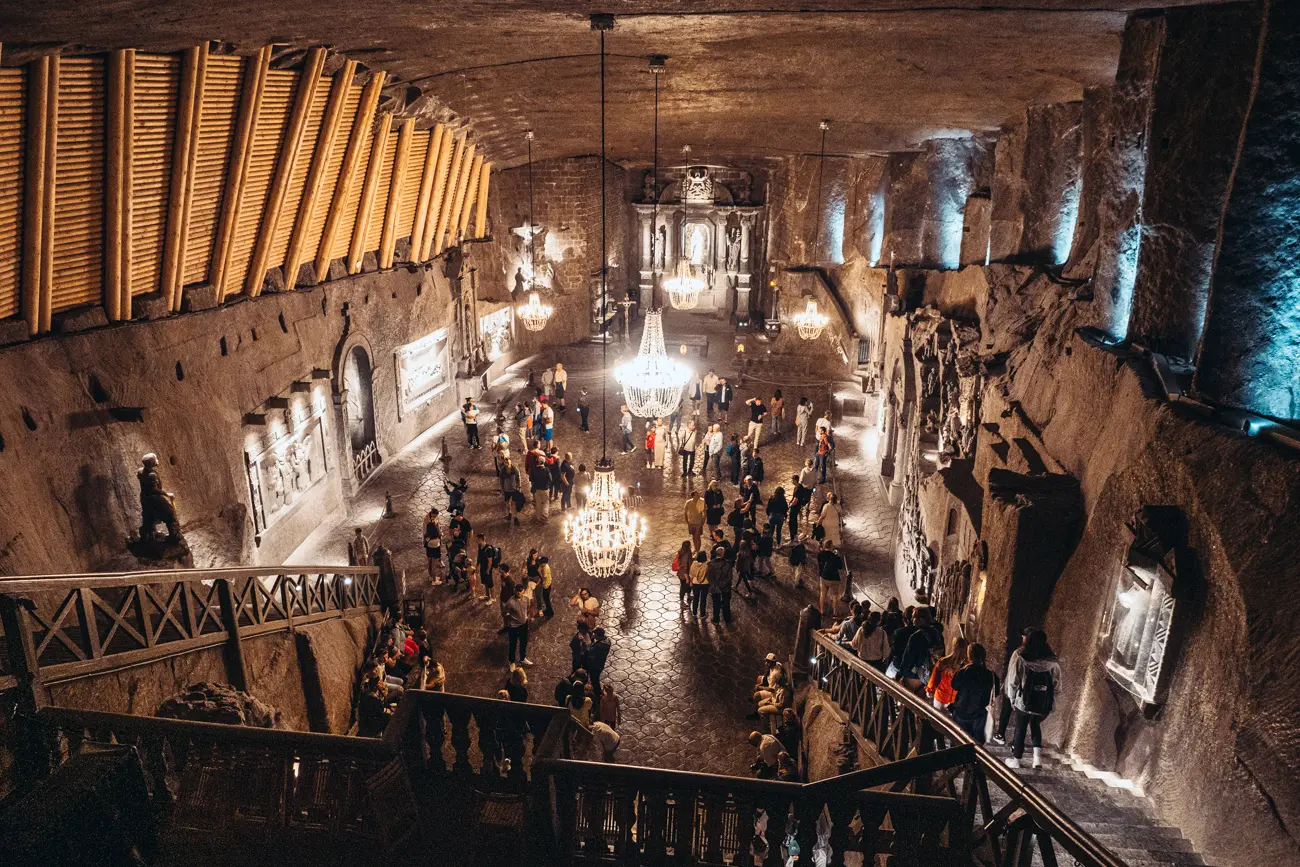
point(1078, 842)
point(38, 583)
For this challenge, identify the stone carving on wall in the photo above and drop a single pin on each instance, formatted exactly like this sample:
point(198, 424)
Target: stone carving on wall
point(157, 504)
point(733, 249)
point(697, 187)
point(918, 559)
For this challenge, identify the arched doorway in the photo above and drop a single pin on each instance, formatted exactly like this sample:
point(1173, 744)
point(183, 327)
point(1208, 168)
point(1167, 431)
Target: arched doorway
point(360, 412)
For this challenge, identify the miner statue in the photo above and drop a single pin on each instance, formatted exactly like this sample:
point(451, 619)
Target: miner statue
point(157, 506)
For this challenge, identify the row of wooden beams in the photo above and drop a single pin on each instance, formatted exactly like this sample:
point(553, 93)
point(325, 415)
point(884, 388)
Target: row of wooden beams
point(315, 182)
point(241, 150)
point(38, 220)
point(347, 176)
point(471, 191)
point(480, 216)
point(426, 189)
point(388, 240)
point(449, 198)
point(362, 225)
point(119, 196)
point(184, 154)
point(440, 174)
point(290, 149)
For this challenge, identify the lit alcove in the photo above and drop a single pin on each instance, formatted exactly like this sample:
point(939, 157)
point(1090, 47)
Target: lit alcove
point(1140, 626)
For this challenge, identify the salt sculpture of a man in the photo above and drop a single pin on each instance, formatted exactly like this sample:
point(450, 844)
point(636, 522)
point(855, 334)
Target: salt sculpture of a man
point(157, 506)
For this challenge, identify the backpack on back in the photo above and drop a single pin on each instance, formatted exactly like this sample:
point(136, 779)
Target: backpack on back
point(1038, 692)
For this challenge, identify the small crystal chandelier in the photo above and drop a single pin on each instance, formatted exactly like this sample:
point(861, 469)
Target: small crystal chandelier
point(652, 382)
point(534, 314)
point(683, 287)
point(603, 533)
point(810, 322)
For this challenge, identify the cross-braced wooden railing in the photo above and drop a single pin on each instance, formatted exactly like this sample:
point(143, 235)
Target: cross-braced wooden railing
point(1024, 828)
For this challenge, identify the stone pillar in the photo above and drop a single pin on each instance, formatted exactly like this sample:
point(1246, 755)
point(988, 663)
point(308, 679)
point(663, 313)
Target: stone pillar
point(906, 201)
point(1036, 185)
point(647, 260)
point(952, 167)
point(1197, 113)
point(1250, 354)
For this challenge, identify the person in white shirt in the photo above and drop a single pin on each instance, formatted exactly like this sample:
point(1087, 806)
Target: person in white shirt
point(824, 423)
point(710, 391)
point(769, 749)
point(548, 381)
point(695, 391)
point(625, 426)
point(870, 643)
point(561, 380)
point(714, 444)
point(802, 418)
point(607, 738)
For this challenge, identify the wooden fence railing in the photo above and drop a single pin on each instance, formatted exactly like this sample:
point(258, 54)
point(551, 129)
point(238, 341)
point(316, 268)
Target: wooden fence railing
point(630, 815)
point(68, 626)
point(898, 725)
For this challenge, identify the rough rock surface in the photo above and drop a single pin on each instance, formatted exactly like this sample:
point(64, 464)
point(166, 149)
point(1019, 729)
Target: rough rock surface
point(219, 703)
point(1036, 185)
point(141, 689)
point(331, 654)
point(274, 674)
point(828, 741)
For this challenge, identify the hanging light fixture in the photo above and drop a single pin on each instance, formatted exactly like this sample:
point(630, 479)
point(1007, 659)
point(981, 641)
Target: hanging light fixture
point(534, 314)
point(684, 288)
point(652, 382)
point(810, 322)
point(604, 534)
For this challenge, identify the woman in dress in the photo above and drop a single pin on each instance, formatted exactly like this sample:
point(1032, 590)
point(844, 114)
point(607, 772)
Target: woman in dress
point(660, 443)
point(714, 508)
point(682, 566)
point(829, 520)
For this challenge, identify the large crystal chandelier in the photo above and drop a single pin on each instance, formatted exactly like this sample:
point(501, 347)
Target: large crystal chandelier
point(534, 314)
point(684, 288)
point(604, 535)
point(652, 382)
point(810, 322)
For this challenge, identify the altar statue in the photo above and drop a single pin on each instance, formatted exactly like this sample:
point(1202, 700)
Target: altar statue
point(733, 249)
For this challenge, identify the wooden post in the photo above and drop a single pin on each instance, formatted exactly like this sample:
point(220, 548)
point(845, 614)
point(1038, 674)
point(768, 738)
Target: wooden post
point(441, 170)
point(38, 223)
point(362, 225)
point(290, 150)
point(31, 754)
point(347, 174)
point(448, 198)
point(316, 173)
point(480, 217)
point(471, 190)
point(235, 668)
point(241, 150)
point(426, 191)
point(388, 238)
point(184, 153)
point(457, 202)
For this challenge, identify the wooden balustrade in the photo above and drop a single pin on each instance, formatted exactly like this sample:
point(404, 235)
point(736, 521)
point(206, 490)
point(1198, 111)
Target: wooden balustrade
point(68, 626)
point(899, 725)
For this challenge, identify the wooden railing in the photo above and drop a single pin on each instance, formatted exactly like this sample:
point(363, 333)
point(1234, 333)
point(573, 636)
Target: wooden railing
point(899, 725)
point(68, 626)
point(254, 790)
point(620, 814)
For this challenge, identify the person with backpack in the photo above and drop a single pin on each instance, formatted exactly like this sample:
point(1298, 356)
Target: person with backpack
point(1033, 678)
point(915, 665)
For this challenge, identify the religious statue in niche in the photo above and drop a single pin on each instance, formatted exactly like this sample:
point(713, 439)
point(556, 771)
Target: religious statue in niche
point(520, 283)
point(661, 251)
point(157, 505)
point(733, 249)
point(648, 187)
point(697, 244)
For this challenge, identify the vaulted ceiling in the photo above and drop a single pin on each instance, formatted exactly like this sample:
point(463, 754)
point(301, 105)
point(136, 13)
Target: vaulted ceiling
point(741, 84)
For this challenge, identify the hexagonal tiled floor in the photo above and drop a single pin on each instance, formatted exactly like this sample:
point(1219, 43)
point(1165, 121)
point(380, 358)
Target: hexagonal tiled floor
point(683, 684)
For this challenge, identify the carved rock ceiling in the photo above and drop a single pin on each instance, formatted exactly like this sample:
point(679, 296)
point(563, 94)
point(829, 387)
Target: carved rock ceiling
point(742, 84)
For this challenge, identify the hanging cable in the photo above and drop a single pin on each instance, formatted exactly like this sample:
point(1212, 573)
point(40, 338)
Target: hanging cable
point(656, 69)
point(532, 226)
point(821, 177)
point(604, 281)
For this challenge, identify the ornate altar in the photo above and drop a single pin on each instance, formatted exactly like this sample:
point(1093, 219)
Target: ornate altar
point(704, 219)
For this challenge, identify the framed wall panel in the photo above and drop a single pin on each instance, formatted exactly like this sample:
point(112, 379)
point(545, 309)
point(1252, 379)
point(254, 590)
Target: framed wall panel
point(157, 86)
point(221, 89)
point(78, 262)
point(13, 108)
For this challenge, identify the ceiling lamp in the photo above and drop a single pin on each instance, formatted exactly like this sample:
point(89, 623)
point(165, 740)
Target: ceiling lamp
point(652, 382)
point(534, 314)
point(604, 535)
point(683, 287)
point(810, 322)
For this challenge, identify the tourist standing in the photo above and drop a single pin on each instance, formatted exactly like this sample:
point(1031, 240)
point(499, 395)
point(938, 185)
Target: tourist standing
point(625, 427)
point(695, 392)
point(823, 454)
point(763, 548)
point(515, 612)
point(588, 606)
point(513, 496)
point(776, 411)
point(489, 558)
point(682, 566)
point(548, 421)
point(561, 378)
point(595, 657)
point(433, 546)
point(714, 506)
point(544, 579)
point(725, 394)
point(798, 557)
point(871, 642)
point(548, 381)
point(710, 384)
point(695, 513)
point(757, 412)
point(700, 585)
point(584, 410)
point(539, 477)
point(359, 549)
point(973, 686)
point(660, 443)
point(581, 485)
point(733, 452)
point(578, 645)
point(829, 520)
point(568, 475)
point(715, 446)
point(778, 508)
point(802, 419)
point(745, 558)
point(1033, 679)
point(829, 564)
point(939, 686)
point(718, 575)
point(469, 415)
point(687, 450)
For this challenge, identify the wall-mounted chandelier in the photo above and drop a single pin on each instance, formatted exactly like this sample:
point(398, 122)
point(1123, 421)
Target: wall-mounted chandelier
point(652, 382)
point(534, 314)
point(603, 533)
point(811, 321)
